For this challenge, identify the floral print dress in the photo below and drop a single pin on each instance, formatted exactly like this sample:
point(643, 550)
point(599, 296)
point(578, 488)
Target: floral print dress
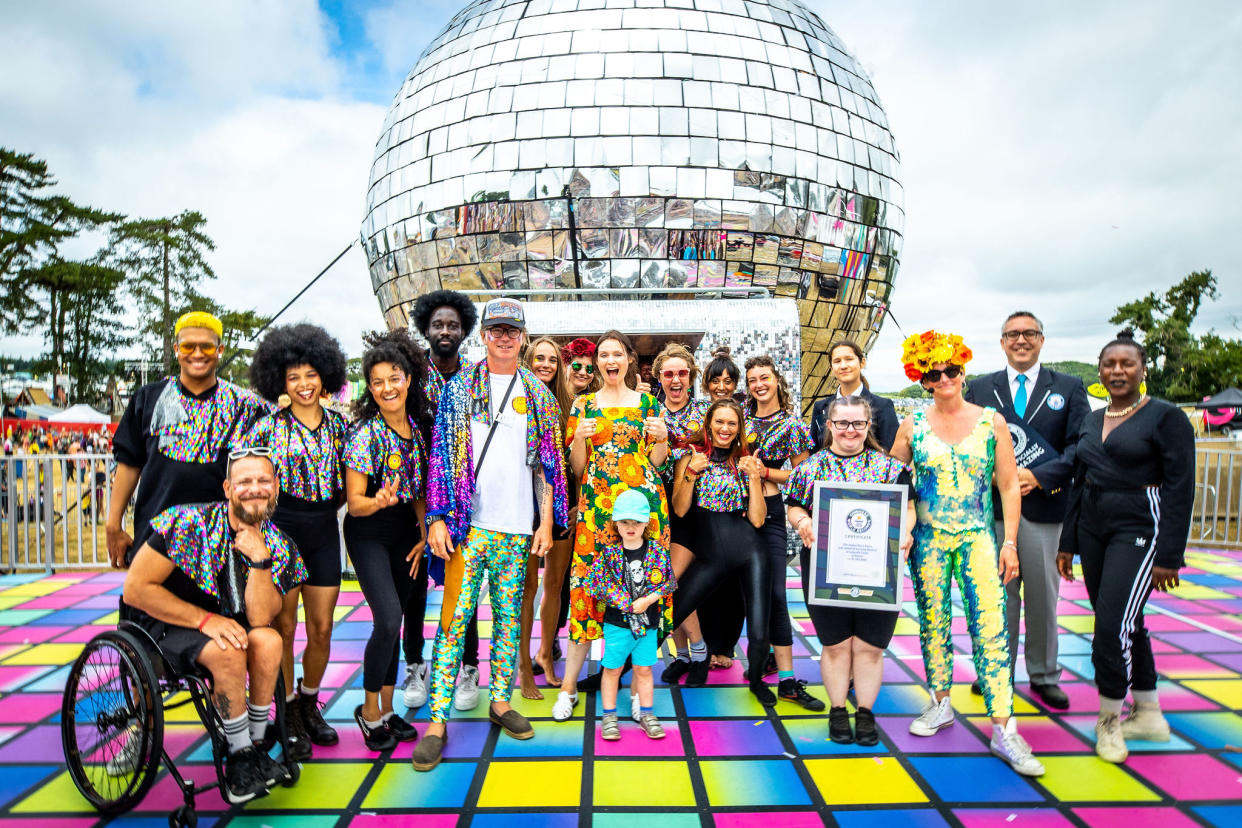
point(616, 461)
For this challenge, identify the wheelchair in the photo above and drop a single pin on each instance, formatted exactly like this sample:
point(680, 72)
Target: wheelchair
point(116, 693)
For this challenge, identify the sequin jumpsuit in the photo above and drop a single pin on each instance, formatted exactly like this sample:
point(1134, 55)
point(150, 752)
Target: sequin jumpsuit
point(953, 537)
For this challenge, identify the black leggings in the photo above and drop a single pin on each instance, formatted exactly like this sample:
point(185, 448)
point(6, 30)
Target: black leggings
point(727, 544)
point(378, 545)
point(1117, 544)
point(773, 538)
point(415, 614)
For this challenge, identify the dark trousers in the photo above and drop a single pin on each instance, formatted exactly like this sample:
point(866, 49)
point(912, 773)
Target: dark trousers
point(377, 546)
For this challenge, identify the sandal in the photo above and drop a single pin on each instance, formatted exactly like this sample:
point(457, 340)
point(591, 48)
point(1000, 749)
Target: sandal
point(610, 730)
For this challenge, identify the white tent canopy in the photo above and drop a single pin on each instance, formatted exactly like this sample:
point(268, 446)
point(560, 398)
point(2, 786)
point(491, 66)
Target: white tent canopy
point(80, 413)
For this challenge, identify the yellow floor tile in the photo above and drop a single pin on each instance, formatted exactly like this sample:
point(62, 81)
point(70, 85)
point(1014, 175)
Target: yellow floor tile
point(639, 784)
point(1091, 779)
point(863, 780)
point(57, 654)
point(1226, 691)
point(532, 785)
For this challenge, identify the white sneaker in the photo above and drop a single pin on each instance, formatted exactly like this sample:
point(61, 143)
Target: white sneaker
point(125, 761)
point(1010, 746)
point(1146, 723)
point(936, 716)
point(466, 694)
point(1110, 744)
point(414, 691)
point(636, 708)
point(564, 706)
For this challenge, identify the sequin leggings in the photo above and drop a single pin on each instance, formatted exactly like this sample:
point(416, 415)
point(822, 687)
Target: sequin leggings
point(936, 559)
point(503, 557)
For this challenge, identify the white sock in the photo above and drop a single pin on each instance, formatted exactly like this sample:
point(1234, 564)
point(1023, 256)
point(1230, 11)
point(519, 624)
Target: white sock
point(386, 716)
point(237, 733)
point(1147, 698)
point(683, 655)
point(309, 691)
point(258, 721)
point(292, 697)
point(373, 725)
point(698, 652)
point(1110, 707)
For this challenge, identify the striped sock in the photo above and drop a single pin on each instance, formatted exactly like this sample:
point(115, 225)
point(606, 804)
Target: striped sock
point(698, 651)
point(258, 721)
point(237, 734)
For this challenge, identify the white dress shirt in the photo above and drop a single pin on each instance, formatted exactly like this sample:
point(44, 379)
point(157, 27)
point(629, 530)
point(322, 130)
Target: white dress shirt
point(1031, 375)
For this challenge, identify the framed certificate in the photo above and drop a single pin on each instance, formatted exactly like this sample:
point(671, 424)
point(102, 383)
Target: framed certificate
point(856, 560)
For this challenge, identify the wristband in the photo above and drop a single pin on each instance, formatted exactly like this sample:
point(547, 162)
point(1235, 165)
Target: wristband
point(1014, 544)
point(804, 520)
point(203, 623)
point(766, 470)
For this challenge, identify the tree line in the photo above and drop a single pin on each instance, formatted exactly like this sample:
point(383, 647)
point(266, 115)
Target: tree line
point(142, 275)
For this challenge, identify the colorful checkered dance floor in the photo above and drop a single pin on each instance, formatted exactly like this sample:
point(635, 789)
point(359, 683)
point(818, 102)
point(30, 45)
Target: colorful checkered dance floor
point(727, 761)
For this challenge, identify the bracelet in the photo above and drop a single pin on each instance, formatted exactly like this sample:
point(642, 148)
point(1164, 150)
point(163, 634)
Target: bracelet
point(1014, 544)
point(805, 518)
point(203, 623)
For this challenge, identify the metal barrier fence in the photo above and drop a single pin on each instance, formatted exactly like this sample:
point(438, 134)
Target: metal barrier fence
point(52, 511)
point(53, 506)
point(1217, 516)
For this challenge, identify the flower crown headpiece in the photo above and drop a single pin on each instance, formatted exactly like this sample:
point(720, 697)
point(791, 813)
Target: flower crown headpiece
point(580, 347)
point(921, 351)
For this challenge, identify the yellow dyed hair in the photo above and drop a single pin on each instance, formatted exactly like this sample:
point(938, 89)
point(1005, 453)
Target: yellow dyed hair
point(199, 319)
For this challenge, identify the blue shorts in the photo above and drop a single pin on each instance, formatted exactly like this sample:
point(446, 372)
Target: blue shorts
point(620, 644)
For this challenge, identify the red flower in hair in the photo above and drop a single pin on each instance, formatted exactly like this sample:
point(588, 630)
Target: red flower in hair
point(580, 347)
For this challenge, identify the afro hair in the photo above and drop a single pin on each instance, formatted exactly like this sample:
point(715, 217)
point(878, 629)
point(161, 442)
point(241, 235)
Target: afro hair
point(288, 346)
point(428, 303)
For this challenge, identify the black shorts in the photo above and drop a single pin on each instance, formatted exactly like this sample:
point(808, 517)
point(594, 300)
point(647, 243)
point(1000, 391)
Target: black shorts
point(836, 624)
point(180, 646)
point(680, 529)
point(316, 534)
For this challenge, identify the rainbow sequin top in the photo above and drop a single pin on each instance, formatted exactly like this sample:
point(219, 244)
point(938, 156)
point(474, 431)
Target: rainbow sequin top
point(194, 429)
point(308, 461)
point(721, 487)
point(436, 381)
point(681, 424)
point(382, 454)
point(198, 539)
point(954, 483)
point(868, 466)
point(777, 438)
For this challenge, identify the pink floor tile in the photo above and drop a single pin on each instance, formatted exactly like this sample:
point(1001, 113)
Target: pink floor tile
point(54, 601)
point(78, 635)
point(785, 819)
point(1046, 736)
point(31, 633)
point(27, 708)
point(1188, 777)
point(165, 796)
point(1011, 818)
point(634, 743)
point(13, 677)
point(1134, 818)
point(404, 821)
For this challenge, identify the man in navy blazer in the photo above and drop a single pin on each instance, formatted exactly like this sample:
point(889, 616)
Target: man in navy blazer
point(1045, 410)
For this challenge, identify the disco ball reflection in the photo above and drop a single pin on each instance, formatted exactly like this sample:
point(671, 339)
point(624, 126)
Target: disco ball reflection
point(691, 144)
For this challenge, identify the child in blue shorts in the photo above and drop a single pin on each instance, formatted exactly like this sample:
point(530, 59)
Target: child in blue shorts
point(630, 579)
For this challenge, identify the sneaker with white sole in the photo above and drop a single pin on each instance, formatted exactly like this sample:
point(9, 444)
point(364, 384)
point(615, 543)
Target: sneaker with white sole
point(1145, 723)
point(936, 716)
point(1010, 746)
point(609, 729)
point(466, 694)
point(563, 707)
point(636, 708)
point(414, 691)
point(125, 761)
point(1110, 744)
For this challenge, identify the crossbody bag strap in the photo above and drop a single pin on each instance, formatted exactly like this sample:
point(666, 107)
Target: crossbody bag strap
point(495, 419)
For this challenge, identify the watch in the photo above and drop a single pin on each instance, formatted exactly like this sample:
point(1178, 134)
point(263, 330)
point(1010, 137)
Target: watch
point(266, 563)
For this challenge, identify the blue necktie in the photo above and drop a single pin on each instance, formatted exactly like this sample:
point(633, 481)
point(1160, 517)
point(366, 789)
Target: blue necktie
point(1019, 399)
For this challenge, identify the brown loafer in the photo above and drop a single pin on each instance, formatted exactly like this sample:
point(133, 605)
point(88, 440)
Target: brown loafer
point(429, 752)
point(513, 723)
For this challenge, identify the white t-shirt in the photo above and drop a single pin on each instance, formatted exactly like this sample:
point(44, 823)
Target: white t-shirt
point(504, 491)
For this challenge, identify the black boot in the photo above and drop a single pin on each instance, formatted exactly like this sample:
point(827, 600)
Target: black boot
point(839, 726)
point(319, 731)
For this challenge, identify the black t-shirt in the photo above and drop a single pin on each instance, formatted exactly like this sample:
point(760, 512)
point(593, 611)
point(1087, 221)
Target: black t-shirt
point(180, 442)
point(638, 579)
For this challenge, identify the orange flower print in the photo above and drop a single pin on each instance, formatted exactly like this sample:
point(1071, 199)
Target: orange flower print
point(603, 431)
point(631, 471)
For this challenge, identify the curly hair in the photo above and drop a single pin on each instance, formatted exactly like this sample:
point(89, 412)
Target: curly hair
point(398, 348)
point(675, 350)
point(782, 386)
point(558, 387)
point(721, 363)
point(429, 303)
point(701, 440)
point(631, 372)
point(288, 346)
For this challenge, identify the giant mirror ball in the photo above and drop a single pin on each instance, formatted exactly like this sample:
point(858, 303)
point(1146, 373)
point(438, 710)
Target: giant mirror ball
point(701, 143)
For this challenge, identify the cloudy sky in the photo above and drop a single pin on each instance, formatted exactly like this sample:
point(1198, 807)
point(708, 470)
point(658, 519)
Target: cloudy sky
point(1060, 157)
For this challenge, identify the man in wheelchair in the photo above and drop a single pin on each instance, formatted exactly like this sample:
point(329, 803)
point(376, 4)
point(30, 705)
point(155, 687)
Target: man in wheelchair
point(207, 584)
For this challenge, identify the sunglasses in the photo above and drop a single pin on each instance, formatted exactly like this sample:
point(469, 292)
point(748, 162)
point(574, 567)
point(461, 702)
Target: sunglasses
point(588, 368)
point(846, 425)
point(187, 348)
point(952, 372)
point(672, 375)
point(250, 451)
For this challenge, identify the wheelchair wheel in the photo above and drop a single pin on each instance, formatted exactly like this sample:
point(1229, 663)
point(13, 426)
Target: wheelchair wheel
point(112, 722)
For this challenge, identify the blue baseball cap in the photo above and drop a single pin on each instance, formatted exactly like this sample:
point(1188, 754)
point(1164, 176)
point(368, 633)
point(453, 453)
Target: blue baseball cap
point(632, 505)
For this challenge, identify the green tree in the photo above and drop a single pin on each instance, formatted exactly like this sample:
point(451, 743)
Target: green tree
point(165, 259)
point(33, 223)
point(1182, 366)
point(96, 328)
